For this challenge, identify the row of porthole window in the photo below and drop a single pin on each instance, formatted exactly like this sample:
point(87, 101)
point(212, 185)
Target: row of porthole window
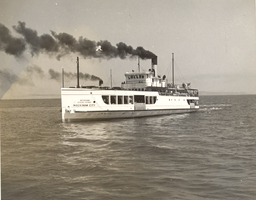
point(137, 89)
point(175, 100)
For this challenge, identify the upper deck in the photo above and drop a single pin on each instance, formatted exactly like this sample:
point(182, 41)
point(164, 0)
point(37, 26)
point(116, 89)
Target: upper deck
point(142, 80)
point(151, 81)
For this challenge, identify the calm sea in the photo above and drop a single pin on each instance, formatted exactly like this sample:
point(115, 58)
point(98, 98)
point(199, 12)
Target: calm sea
point(210, 154)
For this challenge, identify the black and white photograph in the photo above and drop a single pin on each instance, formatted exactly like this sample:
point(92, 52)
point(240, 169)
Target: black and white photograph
point(128, 99)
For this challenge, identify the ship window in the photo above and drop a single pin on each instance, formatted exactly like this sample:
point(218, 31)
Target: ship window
point(151, 100)
point(125, 99)
point(130, 99)
point(105, 99)
point(154, 98)
point(113, 99)
point(139, 99)
point(120, 99)
point(148, 100)
point(142, 76)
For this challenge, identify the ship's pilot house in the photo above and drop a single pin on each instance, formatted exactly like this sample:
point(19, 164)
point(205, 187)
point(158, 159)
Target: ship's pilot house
point(141, 80)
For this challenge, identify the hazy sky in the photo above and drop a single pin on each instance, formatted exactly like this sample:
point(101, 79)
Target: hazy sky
point(214, 42)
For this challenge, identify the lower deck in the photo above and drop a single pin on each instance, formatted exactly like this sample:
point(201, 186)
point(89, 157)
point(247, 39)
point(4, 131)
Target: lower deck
point(88, 104)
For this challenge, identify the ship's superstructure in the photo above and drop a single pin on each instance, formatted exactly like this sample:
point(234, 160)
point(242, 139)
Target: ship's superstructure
point(141, 94)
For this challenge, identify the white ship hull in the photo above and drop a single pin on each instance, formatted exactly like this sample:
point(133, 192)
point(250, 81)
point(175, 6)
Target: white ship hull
point(98, 115)
point(80, 104)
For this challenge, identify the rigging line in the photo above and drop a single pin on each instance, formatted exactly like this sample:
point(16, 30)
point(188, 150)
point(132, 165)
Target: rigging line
point(108, 81)
point(179, 72)
point(168, 70)
point(113, 83)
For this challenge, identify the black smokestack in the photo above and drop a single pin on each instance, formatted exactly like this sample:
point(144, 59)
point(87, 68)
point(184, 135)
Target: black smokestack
point(154, 60)
point(100, 82)
point(63, 43)
point(154, 65)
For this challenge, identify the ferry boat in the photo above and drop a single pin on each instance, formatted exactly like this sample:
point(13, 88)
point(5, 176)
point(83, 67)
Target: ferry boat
point(142, 94)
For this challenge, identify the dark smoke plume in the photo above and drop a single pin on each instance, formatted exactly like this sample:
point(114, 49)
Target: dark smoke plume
point(9, 44)
point(25, 79)
point(101, 49)
point(63, 43)
point(34, 70)
point(57, 76)
point(44, 43)
point(8, 77)
point(54, 75)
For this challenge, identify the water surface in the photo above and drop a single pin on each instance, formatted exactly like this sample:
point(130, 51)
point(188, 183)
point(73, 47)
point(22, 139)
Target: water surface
point(209, 154)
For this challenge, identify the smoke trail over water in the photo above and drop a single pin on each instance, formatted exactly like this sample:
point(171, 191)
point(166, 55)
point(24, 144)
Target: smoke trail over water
point(8, 77)
point(72, 76)
point(63, 44)
point(31, 70)
point(35, 71)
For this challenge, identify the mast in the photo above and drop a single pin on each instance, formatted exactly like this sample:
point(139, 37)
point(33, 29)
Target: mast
point(173, 69)
point(138, 64)
point(77, 72)
point(62, 77)
point(111, 77)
